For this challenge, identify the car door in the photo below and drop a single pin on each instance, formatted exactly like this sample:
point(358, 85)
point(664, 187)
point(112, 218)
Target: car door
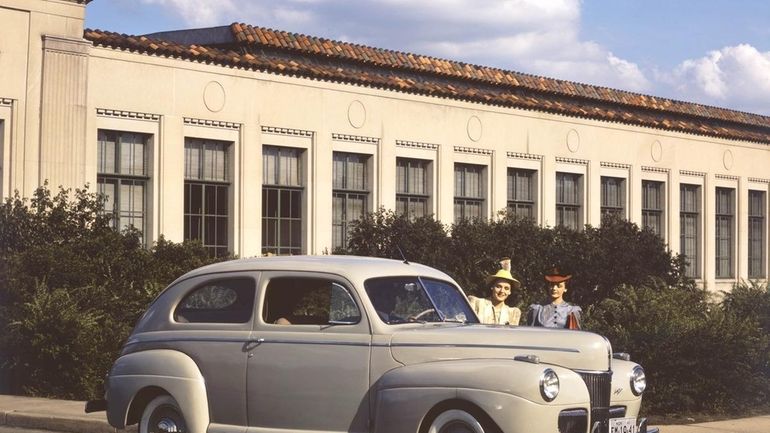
point(308, 363)
point(212, 323)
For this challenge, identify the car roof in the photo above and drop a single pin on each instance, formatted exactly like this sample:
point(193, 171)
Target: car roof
point(353, 268)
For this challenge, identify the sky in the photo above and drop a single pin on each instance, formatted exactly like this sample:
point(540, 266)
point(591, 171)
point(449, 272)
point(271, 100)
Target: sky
point(713, 52)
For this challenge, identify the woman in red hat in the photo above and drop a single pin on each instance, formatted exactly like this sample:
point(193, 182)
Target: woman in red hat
point(558, 313)
point(493, 310)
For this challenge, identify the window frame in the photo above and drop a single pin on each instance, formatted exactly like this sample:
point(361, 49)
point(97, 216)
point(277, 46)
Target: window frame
point(694, 268)
point(347, 194)
point(618, 208)
point(515, 204)
point(119, 179)
point(463, 200)
point(295, 192)
point(658, 210)
point(189, 182)
point(577, 206)
point(724, 215)
point(757, 221)
point(410, 198)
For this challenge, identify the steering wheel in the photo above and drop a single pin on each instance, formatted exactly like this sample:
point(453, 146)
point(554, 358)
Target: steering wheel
point(421, 314)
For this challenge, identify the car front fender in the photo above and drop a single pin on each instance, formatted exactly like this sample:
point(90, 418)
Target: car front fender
point(506, 390)
point(163, 370)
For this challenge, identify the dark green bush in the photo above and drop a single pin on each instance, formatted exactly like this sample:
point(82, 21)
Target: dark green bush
point(599, 258)
point(698, 357)
point(72, 287)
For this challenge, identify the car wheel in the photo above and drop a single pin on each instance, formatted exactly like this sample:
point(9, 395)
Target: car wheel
point(455, 421)
point(162, 415)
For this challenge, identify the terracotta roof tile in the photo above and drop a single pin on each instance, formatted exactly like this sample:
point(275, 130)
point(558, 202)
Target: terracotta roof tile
point(306, 56)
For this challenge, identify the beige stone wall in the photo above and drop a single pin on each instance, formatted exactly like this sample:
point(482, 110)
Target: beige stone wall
point(173, 99)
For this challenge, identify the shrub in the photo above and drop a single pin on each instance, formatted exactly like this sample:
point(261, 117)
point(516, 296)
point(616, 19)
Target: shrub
point(697, 356)
point(71, 288)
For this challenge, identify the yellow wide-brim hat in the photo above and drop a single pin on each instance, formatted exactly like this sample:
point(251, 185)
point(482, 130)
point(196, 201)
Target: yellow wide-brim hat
point(503, 274)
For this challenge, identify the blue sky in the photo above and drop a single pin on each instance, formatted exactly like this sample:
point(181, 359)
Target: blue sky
point(715, 52)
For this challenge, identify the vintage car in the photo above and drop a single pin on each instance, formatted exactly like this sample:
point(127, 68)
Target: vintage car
point(354, 344)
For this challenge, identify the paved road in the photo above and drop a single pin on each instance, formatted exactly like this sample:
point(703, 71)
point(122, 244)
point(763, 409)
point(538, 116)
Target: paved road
point(40, 415)
point(759, 424)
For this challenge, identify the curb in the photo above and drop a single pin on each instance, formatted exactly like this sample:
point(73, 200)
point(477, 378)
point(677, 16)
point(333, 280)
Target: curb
point(64, 424)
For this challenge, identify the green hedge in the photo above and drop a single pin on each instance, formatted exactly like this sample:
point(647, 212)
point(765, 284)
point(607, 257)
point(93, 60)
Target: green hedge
point(71, 289)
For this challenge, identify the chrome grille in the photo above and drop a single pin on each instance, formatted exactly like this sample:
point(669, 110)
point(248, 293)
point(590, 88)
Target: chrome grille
point(599, 386)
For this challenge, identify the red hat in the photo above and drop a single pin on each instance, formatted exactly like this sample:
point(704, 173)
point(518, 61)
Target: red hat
point(555, 276)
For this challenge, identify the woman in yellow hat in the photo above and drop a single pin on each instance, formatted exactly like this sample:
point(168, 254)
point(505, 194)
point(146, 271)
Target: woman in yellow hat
point(558, 313)
point(494, 310)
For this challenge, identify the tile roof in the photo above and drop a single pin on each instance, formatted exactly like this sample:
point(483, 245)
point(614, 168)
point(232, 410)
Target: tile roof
point(323, 59)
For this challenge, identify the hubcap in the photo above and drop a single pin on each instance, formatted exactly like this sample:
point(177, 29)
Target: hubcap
point(456, 427)
point(167, 425)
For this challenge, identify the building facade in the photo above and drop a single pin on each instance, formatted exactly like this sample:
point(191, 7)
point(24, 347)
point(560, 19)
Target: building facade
point(258, 141)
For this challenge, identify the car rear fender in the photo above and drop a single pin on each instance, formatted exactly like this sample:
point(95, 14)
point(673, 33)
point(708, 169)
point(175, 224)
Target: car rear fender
point(137, 377)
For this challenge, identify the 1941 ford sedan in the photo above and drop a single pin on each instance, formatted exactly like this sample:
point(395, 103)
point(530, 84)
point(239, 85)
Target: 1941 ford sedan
point(352, 344)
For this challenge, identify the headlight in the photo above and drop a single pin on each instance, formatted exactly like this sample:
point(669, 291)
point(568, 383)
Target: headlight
point(549, 385)
point(638, 380)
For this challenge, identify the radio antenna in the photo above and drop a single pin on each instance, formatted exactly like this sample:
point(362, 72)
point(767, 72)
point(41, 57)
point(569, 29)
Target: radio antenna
point(403, 257)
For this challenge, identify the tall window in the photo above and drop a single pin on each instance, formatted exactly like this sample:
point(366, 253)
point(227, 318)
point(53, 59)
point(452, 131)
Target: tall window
point(350, 193)
point(613, 196)
point(569, 200)
point(689, 228)
point(207, 193)
point(653, 196)
point(122, 176)
point(281, 200)
point(725, 231)
point(756, 234)
point(469, 191)
point(412, 187)
point(522, 187)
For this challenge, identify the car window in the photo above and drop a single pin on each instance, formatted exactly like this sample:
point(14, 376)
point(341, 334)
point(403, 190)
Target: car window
point(308, 301)
point(411, 299)
point(220, 301)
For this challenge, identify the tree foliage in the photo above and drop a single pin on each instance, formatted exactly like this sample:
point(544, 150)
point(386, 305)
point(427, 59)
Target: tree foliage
point(71, 288)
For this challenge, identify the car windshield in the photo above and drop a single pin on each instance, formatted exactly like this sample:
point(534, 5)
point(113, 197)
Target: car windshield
point(412, 299)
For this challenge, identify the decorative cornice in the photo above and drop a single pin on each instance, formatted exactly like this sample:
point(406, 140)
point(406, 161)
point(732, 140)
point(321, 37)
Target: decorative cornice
point(473, 150)
point(759, 180)
point(529, 156)
point(286, 131)
point(655, 169)
point(127, 114)
point(6, 102)
point(571, 160)
point(615, 165)
point(416, 145)
point(355, 138)
point(692, 173)
point(211, 123)
point(725, 177)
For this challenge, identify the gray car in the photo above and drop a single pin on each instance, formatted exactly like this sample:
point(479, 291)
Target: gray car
point(354, 344)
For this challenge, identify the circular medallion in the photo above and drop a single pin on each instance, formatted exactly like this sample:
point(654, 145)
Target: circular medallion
point(356, 114)
point(727, 159)
point(573, 141)
point(656, 151)
point(474, 128)
point(214, 96)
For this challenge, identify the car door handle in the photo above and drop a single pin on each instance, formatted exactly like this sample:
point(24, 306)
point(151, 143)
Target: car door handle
point(250, 345)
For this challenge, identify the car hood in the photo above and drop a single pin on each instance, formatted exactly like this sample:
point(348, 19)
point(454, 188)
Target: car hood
point(567, 348)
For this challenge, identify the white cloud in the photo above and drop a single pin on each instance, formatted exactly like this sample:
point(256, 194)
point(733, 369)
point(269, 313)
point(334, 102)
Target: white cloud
point(533, 36)
point(737, 76)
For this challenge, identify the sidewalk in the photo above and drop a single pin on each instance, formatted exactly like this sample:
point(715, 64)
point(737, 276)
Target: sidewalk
point(69, 417)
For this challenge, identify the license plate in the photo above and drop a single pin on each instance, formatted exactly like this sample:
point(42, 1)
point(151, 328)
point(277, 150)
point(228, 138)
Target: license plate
point(623, 425)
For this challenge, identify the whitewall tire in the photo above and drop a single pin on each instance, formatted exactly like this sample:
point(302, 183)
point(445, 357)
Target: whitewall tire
point(455, 421)
point(162, 415)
